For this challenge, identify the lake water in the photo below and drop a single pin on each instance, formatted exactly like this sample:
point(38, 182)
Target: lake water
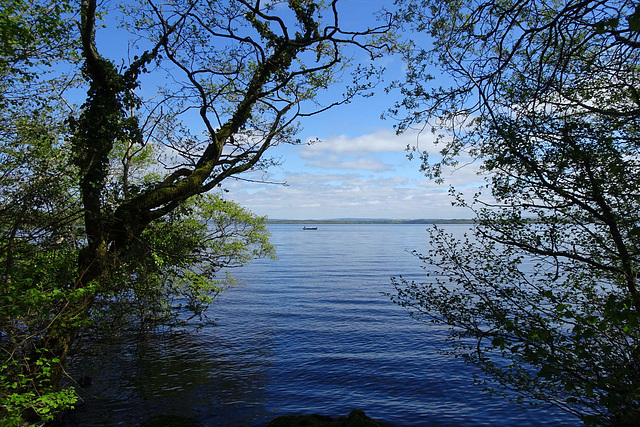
point(310, 332)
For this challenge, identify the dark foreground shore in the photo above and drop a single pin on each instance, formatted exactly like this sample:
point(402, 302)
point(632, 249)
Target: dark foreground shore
point(356, 418)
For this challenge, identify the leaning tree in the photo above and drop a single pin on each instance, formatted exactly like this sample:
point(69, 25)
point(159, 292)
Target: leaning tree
point(180, 96)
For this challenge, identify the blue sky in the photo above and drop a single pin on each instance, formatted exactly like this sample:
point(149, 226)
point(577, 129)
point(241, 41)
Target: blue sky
point(363, 176)
point(359, 169)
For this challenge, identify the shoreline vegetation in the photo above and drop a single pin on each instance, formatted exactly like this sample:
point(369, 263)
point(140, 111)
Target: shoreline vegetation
point(370, 221)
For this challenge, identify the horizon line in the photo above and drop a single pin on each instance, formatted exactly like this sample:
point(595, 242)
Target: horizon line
point(373, 220)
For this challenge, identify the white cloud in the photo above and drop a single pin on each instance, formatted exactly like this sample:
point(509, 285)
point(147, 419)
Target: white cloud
point(336, 196)
point(335, 162)
point(368, 177)
point(384, 140)
point(463, 175)
point(307, 178)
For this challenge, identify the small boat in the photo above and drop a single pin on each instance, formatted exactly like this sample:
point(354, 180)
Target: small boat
point(309, 228)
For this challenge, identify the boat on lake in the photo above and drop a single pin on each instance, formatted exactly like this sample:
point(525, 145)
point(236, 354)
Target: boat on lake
point(309, 228)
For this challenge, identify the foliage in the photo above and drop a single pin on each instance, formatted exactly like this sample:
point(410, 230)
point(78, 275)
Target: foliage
point(544, 297)
point(173, 274)
point(34, 34)
point(104, 210)
point(39, 218)
point(22, 401)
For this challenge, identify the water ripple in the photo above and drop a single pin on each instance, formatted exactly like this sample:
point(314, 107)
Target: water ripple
point(308, 333)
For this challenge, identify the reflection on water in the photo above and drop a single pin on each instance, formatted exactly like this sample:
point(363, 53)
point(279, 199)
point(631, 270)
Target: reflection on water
point(178, 374)
point(308, 333)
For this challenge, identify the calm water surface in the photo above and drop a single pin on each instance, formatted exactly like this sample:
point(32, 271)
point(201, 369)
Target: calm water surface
point(307, 333)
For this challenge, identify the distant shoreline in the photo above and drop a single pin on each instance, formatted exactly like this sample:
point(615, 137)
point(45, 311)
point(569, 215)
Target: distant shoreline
point(370, 221)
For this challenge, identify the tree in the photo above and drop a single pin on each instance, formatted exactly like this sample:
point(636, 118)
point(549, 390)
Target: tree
point(172, 275)
point(125, 177)
point(38, 207)
point(37, 202)
point(544, 296)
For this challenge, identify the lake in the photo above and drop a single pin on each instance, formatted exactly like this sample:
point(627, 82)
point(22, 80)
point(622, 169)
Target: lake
point(310, 332)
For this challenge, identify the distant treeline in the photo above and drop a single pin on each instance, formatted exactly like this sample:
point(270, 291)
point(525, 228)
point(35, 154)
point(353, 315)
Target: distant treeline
point(371, 221)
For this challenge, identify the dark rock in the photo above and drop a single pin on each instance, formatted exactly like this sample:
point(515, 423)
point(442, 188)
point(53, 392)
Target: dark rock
point(171, 421)
point(356, 418)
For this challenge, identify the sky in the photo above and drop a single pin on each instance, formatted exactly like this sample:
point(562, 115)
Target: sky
point(359, 169)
